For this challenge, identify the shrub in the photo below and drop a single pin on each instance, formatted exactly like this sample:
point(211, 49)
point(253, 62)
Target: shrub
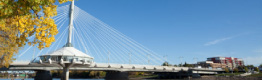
point(235, 70)
point(256, 69)
point(246, 70)
point(226, 70)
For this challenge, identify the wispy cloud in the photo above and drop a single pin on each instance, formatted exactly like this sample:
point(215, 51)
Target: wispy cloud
point(226, 38)
point(217, 41)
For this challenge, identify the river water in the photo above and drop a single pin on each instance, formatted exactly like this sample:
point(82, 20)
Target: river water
point(55, 79)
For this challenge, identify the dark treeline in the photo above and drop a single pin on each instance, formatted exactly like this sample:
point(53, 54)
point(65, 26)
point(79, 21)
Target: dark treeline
point(80, 74)
point(95, 74)
point(179, 65)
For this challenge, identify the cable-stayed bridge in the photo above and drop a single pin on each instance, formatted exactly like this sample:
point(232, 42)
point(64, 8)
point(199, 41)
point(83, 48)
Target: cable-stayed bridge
point(92, 45)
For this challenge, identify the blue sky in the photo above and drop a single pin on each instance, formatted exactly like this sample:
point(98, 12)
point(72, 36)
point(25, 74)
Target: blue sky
point(187, 28)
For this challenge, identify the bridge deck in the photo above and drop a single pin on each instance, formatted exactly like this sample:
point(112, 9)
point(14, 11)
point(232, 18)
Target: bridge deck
point(110, 67)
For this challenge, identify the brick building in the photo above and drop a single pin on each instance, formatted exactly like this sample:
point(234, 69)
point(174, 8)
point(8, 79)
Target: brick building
point(222, 62)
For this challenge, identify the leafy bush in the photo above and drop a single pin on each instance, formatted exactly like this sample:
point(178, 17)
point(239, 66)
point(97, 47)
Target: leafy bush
point(226, 70)
point(236, 70)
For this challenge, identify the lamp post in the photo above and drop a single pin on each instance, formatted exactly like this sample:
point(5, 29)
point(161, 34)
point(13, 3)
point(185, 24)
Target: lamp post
point(148, 58)
point(165, 57)
point(108, 57)
point(196, 59)
point(181, 57)
point(129, 58)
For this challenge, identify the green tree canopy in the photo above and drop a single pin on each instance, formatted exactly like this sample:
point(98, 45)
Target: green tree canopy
point(226, 70)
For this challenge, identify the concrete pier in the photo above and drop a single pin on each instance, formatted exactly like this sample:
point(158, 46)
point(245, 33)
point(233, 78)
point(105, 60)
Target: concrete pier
point(43, 75)
point(116, 75)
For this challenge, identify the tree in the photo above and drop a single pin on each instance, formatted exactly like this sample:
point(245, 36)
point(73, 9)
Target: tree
point(226, 70)
point(246, 69)
point(180, 65)
point(236, 70)
point(165, 64)
point(256, 69)
point(21, 19)
point(250, 66)
point(187, 65)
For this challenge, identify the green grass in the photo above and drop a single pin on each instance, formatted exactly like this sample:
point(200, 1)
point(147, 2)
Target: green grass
point(256, 75)
point(229, 74)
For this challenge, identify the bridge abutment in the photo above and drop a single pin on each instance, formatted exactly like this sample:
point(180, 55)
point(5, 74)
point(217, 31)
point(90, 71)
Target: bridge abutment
point(43, 75)
point(116, 75)
point(173, 75)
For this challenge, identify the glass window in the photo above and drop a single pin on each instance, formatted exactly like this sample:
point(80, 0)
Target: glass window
point(65, 58)
point(59, 58)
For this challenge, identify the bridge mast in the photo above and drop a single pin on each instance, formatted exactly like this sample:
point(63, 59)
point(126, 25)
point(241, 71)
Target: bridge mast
point(69, 44)
point(71, 26)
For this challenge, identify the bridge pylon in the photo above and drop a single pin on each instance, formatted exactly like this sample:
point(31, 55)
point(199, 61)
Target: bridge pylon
point(67, 56)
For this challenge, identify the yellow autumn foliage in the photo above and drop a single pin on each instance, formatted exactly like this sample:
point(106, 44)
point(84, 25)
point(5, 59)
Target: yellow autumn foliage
point(21, 19)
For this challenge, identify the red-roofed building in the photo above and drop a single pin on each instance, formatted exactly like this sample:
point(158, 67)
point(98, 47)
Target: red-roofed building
point(222, 62)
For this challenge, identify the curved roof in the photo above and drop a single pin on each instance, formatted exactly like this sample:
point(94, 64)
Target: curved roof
point(67, 51)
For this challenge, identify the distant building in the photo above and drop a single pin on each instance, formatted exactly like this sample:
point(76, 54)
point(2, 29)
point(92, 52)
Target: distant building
point(221, 62)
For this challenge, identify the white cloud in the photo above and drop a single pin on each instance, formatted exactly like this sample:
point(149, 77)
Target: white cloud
point(253, 60)
point(217, 41)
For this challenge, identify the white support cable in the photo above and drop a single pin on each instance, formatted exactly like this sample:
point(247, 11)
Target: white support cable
point(48, 48)
point(74, 30)
point(128, 44)
point(63, 20)
point(57, 24)
point(86, 48)
point(66, 7)
point(106, 43)
point(125, 45)
point(117, 43)
point(83, 43)
point(104, 37)
point(109, 46)
point(39, 52)
point(51, 47)
point(90, 41)
point(63, 9)
point(62, 36)
point(80, 38)
point(59, 16)
point(100, 43)
point(148, 52)
point(98, 39)
point(24, 52)
point(126, 52)
point(32, 37)
point(62, 15)
point(77, 40)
